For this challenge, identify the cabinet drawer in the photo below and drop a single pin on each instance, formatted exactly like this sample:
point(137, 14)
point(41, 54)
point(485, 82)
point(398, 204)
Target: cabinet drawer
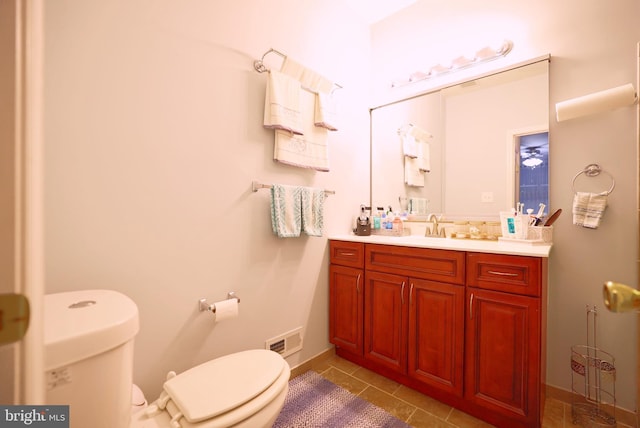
point(346, 253)
point(511, 274)
point(423, 263)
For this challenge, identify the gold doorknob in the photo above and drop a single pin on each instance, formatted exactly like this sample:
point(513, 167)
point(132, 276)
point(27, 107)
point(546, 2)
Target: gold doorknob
point(620, 297)
point(14, 317)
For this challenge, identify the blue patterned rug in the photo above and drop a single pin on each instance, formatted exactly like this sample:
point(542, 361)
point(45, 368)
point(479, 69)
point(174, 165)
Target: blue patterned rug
point(313, 401)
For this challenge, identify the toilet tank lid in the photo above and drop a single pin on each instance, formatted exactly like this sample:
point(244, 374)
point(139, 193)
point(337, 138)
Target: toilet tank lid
point(84, 323)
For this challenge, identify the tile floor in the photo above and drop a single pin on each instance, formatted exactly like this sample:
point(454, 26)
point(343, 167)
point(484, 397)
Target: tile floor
point(416, 409)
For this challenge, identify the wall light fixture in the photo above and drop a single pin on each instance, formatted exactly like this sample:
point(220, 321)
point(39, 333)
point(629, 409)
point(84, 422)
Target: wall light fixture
point(481, 56)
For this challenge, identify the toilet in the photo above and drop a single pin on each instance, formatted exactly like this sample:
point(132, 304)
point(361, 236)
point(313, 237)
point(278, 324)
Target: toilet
point(88, 357)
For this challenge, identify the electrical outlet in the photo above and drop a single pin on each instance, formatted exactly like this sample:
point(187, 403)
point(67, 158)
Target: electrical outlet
point(486, 197)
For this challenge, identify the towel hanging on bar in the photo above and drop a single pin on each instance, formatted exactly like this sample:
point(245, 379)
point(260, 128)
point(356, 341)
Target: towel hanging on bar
point(259, 66)
point(256, 185)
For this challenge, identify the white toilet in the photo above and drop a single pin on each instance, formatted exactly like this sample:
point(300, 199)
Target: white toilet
point(89, 366)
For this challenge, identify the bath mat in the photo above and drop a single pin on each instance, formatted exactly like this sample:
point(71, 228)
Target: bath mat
point(313, 401)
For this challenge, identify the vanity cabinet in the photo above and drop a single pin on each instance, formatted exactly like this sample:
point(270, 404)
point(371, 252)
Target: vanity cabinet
point(346, 294)
point(385, 320)
point(466, 328)
point(414, 313)
point(505, 341)
point(436, 335)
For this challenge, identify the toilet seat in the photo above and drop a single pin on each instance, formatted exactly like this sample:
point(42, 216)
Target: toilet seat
point(221, 392)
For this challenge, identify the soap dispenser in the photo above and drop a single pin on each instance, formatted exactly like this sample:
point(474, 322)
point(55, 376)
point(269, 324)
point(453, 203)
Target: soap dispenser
point(363, 224)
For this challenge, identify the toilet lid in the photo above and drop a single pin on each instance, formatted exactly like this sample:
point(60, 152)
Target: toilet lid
point(222, 384)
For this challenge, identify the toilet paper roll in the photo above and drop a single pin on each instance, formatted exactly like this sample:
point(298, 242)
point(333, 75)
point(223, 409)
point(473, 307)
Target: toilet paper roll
point(226, 309)
point(597, 102)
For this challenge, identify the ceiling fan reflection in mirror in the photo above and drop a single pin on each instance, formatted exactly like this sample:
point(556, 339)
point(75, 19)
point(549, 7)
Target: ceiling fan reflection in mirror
point(531, 157)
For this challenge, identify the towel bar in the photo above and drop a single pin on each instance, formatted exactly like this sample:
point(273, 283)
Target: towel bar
point(259, 66)
point(255, 186)
point(593, 170)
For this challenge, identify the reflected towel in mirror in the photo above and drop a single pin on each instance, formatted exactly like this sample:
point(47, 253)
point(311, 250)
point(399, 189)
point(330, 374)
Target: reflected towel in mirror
point(413, 176)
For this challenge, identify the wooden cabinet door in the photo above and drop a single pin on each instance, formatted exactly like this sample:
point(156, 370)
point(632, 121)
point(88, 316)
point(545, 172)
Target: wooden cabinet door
point(502, 366)
point(436, 334)
point(385, 319)
point(346, 307)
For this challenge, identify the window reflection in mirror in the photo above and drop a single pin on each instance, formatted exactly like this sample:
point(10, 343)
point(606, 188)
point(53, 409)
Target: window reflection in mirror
point(532, 170)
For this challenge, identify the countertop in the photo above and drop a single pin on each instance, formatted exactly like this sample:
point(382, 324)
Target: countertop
point(477, 245)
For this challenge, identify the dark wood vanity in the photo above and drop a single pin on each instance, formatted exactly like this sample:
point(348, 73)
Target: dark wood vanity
point(465, 327)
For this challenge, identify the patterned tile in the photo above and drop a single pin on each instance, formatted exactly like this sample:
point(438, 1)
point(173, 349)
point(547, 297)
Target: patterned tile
point(417, 409)
point(398, 408)
point(345, 381)
point(462, 420)
point(421, 419)
point(424, 402)
point(380, 382)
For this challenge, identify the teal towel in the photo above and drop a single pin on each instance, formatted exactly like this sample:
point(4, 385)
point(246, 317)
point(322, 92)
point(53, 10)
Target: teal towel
point(312, 211)
point(286, 211)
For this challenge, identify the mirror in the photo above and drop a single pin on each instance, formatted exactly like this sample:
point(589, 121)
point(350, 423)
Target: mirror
point(472, 140)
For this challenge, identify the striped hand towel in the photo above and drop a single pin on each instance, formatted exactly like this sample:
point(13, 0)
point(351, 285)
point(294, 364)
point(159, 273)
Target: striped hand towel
point(588, 209)
point(286, 219)
point(312, 211)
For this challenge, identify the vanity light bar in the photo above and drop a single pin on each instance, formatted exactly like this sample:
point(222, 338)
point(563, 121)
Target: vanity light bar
point(483, 55)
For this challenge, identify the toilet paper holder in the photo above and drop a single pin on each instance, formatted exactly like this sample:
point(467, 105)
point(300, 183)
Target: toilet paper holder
point(203, 305)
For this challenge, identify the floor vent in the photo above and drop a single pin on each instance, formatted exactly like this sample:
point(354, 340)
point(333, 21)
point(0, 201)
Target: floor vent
point(287, 343)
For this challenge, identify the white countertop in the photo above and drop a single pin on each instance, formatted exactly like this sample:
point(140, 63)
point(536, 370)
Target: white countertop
point(482, 246)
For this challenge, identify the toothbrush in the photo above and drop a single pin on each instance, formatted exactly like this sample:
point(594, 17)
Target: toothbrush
point(540, 214)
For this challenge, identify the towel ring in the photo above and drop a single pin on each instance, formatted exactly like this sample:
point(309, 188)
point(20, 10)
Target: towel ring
point(593, 170)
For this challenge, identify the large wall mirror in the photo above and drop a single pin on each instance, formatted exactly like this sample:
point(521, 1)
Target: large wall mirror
point(467, 150)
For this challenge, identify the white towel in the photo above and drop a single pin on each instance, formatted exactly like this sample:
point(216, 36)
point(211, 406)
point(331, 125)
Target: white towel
point(412, 174)
point(424, 156)
point(307, 77)
point(419, 133)
point(412, 136)
point(588, 209)
point(409, 146)
point(310, 150)
point(325, 111)
point(282, 103)
point(312, 211)
point(418, 205)
point(286, 212)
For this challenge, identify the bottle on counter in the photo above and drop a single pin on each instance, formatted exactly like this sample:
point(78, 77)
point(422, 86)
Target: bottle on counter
point(397, 226)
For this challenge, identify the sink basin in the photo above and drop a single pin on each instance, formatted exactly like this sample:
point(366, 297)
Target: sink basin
point(419, 238)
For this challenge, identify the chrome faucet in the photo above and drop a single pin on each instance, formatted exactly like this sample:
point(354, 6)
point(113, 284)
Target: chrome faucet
point(436, 231)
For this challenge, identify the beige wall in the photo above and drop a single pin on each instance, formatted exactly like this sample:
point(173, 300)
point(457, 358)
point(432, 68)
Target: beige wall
point(153, 131)
point(592, 47)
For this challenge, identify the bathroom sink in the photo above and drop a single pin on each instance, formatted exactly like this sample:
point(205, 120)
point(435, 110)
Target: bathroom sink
point(419, 239)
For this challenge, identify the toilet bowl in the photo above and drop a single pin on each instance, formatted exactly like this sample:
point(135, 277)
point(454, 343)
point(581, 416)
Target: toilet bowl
point(89, 366)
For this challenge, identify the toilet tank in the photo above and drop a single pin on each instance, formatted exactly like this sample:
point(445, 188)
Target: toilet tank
point(88, 358)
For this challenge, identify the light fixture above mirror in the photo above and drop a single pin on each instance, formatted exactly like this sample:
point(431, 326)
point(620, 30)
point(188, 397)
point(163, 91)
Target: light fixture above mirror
point(485, 54)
